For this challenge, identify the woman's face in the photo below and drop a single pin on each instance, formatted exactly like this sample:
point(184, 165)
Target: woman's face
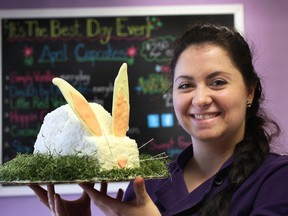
point(209, 95)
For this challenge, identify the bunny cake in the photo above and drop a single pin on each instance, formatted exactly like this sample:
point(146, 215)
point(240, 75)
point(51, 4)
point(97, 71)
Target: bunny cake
point(84, 128)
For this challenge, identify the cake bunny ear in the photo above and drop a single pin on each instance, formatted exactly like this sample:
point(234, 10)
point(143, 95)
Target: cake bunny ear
point(79, 105)
point(121, 108)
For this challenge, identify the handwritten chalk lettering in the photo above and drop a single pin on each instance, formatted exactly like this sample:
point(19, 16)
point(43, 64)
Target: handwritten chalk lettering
point(157, 50)
point(29, 28)
point(42, 114)
point(153, 145)
point(57, 101)
point(58, 29)
point(23, 119)
point(30, 77)
point(16, 91)
point(124, 29)
point(173, 151)
point(15, 30)
point(182, 143)
point(40, 102)
point(45, 77)
point(19, 147)
point(95, 29)
point(20, 103)
point(85, 90)
point(155, 84)
point(17, 131)
point(54, 90)
point(22, 79)
point(43, 91)
point(105, 90)
point(75, 79)
point(31, 91)
point(168, 99)
point(169, 146)
point(83, 54)
point(99, 101)
point(34, 29)
point(47, 55)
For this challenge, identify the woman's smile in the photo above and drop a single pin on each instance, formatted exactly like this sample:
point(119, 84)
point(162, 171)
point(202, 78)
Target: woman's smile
point(205, 116)
point(206, 121)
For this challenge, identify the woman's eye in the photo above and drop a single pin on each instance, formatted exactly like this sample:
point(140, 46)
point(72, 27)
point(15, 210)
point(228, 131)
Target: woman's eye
point(184, 86)
point(218, 83)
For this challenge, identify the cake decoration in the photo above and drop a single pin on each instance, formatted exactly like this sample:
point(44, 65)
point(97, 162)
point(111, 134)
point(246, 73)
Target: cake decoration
point(121, 107)
point(79, 105)
point(108, 144)
point(81, 141)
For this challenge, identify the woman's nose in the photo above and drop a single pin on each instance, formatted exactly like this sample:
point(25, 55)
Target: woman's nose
point(201, 97)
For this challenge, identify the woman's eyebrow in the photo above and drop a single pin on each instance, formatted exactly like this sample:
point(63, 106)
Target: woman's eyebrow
point(209, 76)
point(187, 77)
point(216, 73)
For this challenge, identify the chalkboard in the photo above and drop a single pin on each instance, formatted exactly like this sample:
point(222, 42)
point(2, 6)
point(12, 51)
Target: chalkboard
point(87, 51)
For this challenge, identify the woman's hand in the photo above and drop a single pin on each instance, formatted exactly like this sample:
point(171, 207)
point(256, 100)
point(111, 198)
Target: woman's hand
point(142, 205)
point(61, 207)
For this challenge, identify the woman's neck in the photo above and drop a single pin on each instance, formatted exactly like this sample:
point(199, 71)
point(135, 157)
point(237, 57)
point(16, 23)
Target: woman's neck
point(210, 156)
point(206, 161)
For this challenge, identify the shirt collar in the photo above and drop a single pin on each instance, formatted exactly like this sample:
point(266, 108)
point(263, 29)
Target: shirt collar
point(184, 157)
point(173, 195)
point(187, 154)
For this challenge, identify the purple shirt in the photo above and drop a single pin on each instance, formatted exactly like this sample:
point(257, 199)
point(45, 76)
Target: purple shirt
point(265, 192)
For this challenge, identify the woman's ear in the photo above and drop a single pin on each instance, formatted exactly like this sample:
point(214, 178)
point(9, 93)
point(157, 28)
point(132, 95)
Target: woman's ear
point(250, 95)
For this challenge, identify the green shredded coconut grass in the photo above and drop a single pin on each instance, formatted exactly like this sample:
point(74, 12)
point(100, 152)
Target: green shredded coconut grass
point(43, 168)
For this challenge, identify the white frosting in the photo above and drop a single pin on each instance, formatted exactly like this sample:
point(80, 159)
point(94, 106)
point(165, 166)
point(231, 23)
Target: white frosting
point(111, 149)
point(62, 133)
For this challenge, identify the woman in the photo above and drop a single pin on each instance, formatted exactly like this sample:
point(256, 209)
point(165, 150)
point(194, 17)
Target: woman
point(228, 169)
